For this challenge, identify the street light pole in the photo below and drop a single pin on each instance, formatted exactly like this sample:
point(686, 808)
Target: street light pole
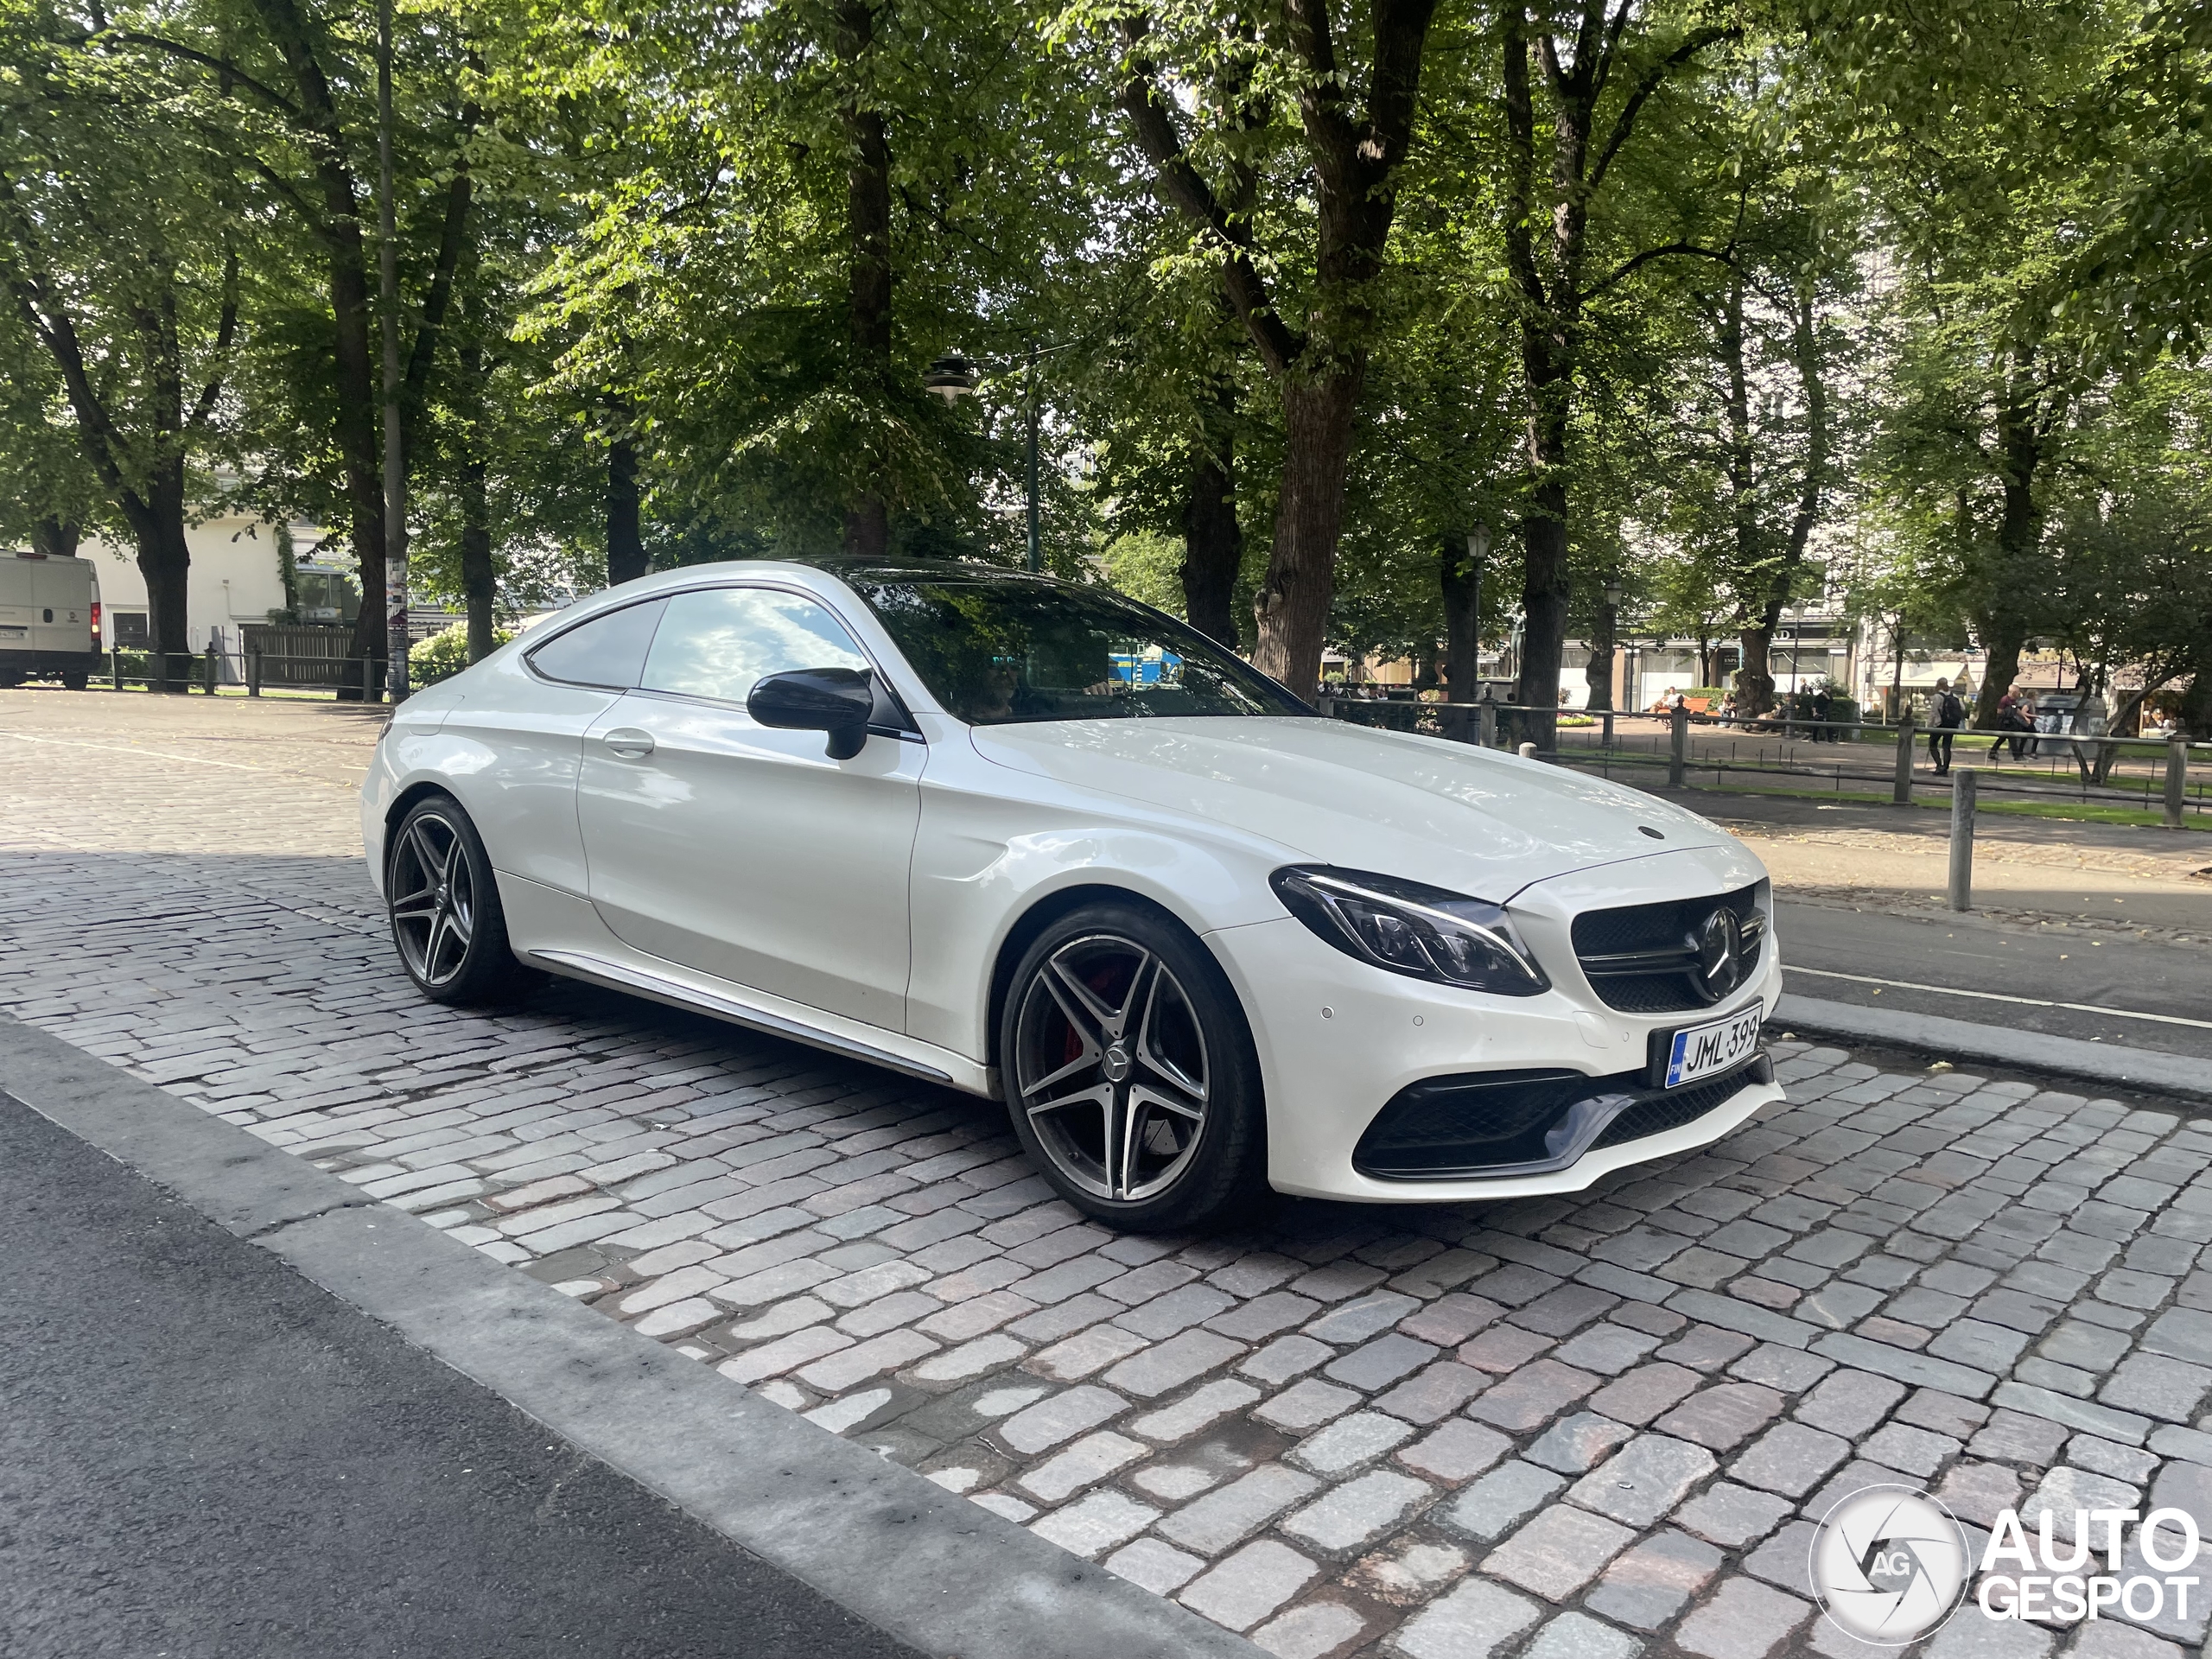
point(395, 463)
point(1478, 552)
point(1036, 547)
point(952, 377)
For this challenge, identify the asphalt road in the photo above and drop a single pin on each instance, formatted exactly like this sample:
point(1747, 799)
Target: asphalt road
point(1932, 965)
point(204, 1455)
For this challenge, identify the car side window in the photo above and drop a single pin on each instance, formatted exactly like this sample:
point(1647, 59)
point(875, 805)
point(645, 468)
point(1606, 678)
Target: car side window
point(719, 642)
point(608, 651)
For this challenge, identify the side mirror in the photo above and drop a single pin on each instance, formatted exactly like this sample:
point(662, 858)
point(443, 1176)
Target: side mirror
point(838, 701)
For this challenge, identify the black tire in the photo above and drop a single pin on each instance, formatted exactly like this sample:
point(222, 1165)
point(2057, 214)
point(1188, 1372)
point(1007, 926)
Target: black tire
point(1129, 1072)
point(75, 679)
point(443, 904)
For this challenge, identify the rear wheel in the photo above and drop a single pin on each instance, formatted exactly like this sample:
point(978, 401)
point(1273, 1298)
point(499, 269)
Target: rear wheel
point(1130, 1074)
point(75, 679)
point(443, 902)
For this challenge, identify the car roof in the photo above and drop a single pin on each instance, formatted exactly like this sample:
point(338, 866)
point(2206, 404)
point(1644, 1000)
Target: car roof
point(848, 567)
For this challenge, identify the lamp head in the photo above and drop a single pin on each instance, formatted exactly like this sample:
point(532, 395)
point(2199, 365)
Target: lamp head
point(951, 377)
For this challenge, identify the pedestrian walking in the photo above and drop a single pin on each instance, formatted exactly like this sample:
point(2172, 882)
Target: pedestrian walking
point(1945, 713)
point(1823, 711)
point(2012, 722)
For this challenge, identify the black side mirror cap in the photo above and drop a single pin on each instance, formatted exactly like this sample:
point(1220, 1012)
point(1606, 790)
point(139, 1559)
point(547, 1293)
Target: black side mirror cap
point(838, 701)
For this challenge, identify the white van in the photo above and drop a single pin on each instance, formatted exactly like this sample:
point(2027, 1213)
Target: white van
point(49, 619)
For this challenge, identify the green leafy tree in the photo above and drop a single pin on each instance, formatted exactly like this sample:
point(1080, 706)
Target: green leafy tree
point(119, 252)
point(1285, 169)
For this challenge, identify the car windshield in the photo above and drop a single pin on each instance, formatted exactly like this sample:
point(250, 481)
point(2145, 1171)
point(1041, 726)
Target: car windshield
point(998, 651)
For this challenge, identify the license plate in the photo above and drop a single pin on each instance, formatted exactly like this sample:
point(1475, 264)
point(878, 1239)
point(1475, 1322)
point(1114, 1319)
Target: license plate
point(15, 633)
point(1701, 1051)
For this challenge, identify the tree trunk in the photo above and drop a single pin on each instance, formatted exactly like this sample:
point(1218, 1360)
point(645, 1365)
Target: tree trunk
point(1213, 545)
point(2017, 581)
point(625, 541)
point(478, 578)
point(867, 518)
point(165, 562)
point(1766, 589)
point(2003, 638)
point(356, 400)
point(1460, 576)
point(1755, 679)
point(1598, 674)
point(2196, 700)
point(1544, 594)
point(56, 538)
point(1292, 608)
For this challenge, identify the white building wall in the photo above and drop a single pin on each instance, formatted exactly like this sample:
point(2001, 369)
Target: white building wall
point(234, 579)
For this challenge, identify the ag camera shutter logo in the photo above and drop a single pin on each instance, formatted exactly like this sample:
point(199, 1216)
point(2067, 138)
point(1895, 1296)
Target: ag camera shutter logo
point(1890, 1564)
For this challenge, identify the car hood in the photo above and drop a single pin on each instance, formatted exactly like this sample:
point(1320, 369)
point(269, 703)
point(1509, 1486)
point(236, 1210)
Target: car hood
point(1467, 818)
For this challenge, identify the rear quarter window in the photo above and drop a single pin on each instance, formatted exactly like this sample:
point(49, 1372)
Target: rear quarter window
point(608, 651)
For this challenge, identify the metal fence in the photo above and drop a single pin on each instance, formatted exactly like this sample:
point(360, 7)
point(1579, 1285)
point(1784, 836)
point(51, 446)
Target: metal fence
point(314, 672)
point(305, 655)
point(165, 671)
point(1844, 757)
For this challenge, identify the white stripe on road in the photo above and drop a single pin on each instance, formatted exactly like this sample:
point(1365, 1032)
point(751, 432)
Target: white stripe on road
point(134, 750)
point(1998, 996)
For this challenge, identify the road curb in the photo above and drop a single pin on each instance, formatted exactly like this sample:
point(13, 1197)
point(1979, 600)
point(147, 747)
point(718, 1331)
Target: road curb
point(2110, 1064)
point(931, 1568)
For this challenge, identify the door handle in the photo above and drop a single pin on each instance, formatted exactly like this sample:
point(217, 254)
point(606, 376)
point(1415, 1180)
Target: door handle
point(629, 742)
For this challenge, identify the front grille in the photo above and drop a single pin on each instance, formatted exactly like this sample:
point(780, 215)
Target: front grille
point(1644, 958)
point(1496, 1123)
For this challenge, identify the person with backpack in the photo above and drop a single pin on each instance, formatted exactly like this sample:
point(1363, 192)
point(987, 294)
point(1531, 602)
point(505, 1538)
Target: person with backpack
point(1945, 714)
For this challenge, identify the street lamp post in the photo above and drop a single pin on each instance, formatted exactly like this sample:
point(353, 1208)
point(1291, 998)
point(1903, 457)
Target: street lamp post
point(1478, 551)
point(952, 377)
point(1029, 394)
point(1610, 622)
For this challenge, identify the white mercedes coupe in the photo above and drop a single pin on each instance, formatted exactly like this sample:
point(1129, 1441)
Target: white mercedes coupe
point(1036, 841)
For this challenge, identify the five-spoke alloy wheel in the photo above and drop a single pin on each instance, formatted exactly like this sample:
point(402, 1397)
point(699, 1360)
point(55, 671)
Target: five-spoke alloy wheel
point(1129, 1072)
point(444, 904)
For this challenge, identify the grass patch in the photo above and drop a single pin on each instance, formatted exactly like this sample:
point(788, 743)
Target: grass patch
point(2080, 812)
point(1933, 800)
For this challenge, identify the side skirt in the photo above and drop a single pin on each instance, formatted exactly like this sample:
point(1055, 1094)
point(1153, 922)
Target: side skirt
point(619, 976)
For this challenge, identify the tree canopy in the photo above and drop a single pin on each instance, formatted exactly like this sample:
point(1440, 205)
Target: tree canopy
point(1386, 326)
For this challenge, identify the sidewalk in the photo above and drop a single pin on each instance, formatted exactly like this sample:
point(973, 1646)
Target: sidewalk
point(2142, 882)
point(206, 1454)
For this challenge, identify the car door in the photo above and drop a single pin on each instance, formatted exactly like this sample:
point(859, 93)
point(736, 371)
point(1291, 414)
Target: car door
point(63, 592)
point(519, 736)
point(742, 850)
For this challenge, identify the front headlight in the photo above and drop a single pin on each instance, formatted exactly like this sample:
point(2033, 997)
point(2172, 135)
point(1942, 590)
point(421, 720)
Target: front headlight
point(1408, 928)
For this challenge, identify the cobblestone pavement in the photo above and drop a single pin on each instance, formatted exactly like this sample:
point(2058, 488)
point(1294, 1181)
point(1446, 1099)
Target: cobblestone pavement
point(1585, 1427)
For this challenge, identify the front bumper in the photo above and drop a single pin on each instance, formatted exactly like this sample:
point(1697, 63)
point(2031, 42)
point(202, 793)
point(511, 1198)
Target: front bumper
point(1337, 1040)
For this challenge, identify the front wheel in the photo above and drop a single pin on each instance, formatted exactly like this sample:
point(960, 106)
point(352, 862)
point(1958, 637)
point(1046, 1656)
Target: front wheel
point(443, 902)
point(1130, 1074)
